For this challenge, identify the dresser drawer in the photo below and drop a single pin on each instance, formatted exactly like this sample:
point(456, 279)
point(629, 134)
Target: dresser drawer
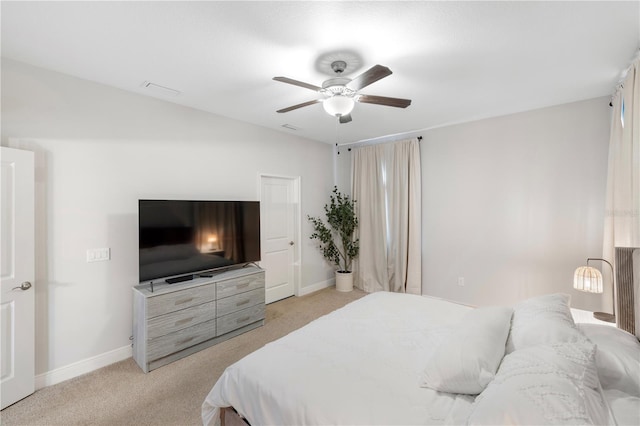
point(240, 301)
point(240, 285)
point(174, 321)
point(174, 342)
point(175, 301)
point(239, 319)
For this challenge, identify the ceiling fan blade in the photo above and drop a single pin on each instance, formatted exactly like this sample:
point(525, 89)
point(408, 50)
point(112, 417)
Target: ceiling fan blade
point(372, 75)
point(383, 100)
point(304, 104)
point(345, 118)
point(298, 83)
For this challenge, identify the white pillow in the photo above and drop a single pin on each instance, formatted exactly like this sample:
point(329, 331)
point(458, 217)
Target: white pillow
point(467, 360)
point(542, 385)
point(617, 357)
point(625, 407)
point(541, 320)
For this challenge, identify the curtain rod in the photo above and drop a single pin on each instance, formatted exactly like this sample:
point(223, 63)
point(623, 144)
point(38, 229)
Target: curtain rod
point(623, 76)
point(374, 143)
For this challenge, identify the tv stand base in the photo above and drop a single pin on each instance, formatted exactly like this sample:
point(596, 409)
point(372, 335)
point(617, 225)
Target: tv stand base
point(179, 319)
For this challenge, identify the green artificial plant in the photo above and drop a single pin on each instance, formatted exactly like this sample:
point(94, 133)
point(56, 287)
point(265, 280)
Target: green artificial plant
point(337, 241)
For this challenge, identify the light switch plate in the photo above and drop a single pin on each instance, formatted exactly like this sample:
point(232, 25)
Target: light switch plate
point(98, 255)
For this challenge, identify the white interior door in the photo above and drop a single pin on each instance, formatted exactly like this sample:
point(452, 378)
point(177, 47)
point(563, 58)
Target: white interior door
point(279, 207)
point(17, 311)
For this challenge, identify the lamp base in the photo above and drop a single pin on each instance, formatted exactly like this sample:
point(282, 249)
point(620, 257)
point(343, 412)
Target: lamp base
point(603, 316)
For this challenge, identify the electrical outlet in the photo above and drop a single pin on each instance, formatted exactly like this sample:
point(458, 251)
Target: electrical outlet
point(461, 281)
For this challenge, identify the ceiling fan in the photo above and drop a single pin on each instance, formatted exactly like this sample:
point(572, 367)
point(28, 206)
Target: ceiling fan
point(341, 93)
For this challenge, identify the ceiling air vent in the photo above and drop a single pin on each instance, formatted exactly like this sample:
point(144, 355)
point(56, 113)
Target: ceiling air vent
point(156, 89)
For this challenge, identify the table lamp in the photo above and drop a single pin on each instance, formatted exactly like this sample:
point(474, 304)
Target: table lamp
point(589, 279)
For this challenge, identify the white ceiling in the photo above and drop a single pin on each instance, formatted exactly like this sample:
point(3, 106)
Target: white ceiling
point(457, 61)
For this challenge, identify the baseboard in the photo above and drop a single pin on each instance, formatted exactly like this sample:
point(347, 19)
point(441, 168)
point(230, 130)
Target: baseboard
point(88, 365)
point(85, 366)
point(316, 287)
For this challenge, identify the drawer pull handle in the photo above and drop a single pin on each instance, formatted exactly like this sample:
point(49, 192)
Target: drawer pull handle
point(243, 319)
point(184, 321)
point(181, 301)
point(183, 341)
point(244, 302)
point(239, 286)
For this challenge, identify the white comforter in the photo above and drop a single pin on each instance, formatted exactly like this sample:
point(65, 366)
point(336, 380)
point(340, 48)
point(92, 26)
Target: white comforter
point(365, 364)
point(364, 370)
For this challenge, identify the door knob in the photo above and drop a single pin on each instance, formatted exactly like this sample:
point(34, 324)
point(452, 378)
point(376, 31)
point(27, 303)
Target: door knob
point(290, 243)
point(24, 286)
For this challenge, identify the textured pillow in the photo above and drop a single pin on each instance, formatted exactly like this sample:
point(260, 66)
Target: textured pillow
point(467, 359)
point(617, 357)
point(555, 384)
point(541, 320)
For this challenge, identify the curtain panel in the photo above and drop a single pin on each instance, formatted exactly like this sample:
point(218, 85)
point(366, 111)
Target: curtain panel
point(386, 187)
point(622, 214)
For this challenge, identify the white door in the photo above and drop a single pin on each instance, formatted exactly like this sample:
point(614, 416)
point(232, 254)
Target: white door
point(17, 313)
point(279, 207)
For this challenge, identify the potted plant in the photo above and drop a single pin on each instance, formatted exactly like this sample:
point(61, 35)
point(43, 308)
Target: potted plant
point(337, 241)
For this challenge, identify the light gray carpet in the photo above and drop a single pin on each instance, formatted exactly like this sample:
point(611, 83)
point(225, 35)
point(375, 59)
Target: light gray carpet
point(121, 394)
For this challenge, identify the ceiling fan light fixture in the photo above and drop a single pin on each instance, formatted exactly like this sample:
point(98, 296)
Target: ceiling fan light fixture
point(338, 105)
point(339, 94)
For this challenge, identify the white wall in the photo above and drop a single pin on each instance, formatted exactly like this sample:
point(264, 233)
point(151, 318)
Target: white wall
point(98, 150)
point(514, 204)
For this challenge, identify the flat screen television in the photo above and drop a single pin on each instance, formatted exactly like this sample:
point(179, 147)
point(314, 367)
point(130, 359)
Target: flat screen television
point(179, 239)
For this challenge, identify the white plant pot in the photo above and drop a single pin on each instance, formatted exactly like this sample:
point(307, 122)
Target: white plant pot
point(344, 281)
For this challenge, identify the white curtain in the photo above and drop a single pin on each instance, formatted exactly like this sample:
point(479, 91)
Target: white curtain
point(386, 188)
point(622, 215)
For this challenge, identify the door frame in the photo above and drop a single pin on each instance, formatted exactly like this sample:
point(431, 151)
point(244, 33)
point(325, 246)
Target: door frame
point(297, 227)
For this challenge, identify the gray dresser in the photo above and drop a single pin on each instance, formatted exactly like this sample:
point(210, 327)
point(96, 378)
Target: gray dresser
point(176, 320)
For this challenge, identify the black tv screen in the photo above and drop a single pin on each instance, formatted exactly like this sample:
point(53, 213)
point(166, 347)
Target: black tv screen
point(180, 238)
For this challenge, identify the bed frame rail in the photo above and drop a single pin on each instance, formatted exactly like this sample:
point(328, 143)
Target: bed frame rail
point(230, 417)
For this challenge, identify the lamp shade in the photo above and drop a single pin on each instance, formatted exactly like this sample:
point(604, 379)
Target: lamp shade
point(587, 279)
point(338, 105)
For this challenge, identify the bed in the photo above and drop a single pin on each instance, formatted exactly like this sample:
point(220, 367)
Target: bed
point(392, 358)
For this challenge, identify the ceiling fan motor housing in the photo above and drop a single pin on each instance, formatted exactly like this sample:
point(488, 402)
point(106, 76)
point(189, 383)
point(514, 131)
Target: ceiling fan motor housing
point(339, 101)
point(337, 86)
